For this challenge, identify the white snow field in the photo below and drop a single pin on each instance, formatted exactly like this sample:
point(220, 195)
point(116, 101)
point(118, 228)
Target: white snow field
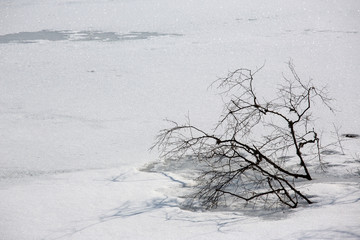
point(85, 86)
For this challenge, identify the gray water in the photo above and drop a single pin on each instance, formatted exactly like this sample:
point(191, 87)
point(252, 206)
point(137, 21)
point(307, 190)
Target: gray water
point(66, 35)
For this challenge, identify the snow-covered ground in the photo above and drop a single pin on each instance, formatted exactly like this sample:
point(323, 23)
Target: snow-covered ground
point(85, 86)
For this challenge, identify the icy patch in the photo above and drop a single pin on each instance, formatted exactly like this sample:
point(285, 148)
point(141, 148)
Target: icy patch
point(63, 35)
point(182, 172)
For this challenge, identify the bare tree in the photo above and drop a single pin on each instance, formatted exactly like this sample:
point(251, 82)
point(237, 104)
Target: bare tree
point(259, 149)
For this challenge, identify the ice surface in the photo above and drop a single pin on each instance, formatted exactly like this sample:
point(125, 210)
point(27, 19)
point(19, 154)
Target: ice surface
point(82, 101)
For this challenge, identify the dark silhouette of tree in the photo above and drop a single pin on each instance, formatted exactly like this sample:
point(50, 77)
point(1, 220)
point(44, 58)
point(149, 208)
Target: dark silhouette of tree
point(259, 149)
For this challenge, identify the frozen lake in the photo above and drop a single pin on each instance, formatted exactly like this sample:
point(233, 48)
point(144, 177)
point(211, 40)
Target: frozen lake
point(86, 85)
point(81, 94)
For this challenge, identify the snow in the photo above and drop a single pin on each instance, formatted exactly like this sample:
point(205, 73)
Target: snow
point(85, 88)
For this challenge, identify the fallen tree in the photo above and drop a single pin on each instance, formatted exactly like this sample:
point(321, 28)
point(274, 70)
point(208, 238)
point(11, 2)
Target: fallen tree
point(259, 149)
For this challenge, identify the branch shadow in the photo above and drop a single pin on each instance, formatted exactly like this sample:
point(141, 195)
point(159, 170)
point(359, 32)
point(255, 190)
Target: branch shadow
point(327, 234)
point(126, 210)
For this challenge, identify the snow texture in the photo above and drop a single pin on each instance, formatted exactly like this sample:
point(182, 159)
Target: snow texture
point(85, 86)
